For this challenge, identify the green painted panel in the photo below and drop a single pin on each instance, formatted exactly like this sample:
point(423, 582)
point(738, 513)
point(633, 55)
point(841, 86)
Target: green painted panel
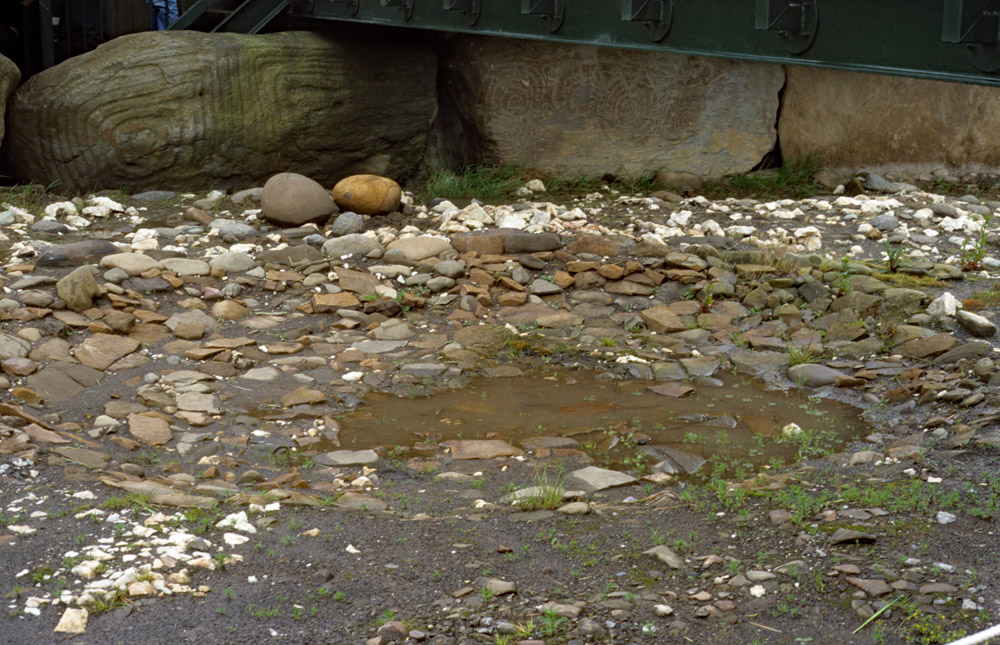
point(899, 37)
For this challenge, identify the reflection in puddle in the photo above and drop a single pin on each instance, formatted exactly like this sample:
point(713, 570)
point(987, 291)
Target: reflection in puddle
point(675, 426)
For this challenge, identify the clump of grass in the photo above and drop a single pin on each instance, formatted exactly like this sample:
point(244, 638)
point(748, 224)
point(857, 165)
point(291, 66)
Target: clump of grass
point(475, 181)
point(802, 354)
point(142, 501)
point(794, 179)
point(547, 492)
point(495, 183)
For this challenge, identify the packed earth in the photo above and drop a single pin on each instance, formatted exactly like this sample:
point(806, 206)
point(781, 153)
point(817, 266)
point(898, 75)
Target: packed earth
point(605, 418)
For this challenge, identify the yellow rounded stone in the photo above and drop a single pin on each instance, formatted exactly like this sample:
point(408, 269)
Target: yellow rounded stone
point(367, 194)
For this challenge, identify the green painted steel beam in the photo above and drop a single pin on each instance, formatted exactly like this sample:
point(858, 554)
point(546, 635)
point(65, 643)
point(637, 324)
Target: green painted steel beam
point(948, 40)
point(251, 16)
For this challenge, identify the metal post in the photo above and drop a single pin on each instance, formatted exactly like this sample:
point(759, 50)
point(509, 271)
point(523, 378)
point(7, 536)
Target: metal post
point(46, 34)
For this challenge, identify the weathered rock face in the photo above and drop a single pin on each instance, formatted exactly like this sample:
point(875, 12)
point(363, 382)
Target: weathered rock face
point(10, 77)
point(193, 110)
point(857, 120)
point(574, 109)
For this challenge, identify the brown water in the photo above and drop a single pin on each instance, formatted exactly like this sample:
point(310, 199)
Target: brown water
point(615, 422)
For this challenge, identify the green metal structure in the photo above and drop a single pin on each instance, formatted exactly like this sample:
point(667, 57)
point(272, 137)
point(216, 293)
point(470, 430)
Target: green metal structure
point(949, 40)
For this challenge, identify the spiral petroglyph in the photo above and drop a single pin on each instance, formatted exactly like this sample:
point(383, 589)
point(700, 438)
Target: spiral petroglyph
point(223, 110)
point(587, 110)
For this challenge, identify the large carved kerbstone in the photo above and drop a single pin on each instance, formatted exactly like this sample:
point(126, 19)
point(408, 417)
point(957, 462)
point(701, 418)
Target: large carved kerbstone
point(574, 109)
point(855, 120)
point(194, 110)
point(10, 76)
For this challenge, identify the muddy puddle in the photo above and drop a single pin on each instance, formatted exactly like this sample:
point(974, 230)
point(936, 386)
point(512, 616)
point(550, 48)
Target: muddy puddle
point(669, 427)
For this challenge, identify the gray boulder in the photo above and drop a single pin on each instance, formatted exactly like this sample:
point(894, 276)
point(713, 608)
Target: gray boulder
point(194, 110)
point(291, 199)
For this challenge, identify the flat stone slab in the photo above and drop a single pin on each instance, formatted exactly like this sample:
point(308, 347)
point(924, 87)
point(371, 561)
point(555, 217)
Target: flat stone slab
point(481, 449)
point(666, 556)
point(593, 479)
point(347, 458)
point(90, 459)
point(360, 502)
point(379, 346)
point(101, 350)
point(151, 430)
point(53, 385)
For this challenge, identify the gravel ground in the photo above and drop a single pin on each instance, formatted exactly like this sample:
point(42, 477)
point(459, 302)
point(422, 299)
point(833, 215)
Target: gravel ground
point(181, 463)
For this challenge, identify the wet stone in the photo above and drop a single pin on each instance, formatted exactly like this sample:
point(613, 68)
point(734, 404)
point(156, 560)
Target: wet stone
point(812, 375)
point(481, 449)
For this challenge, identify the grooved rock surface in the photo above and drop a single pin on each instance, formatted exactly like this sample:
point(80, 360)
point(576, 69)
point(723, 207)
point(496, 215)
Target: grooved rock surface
point(575, 109)
point(194, 110)
point(10, 77)
point(853, 120)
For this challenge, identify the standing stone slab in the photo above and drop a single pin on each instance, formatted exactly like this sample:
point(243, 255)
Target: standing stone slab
point(193, 110)
point(10, 76)
point(855, 120)
point(575, 109)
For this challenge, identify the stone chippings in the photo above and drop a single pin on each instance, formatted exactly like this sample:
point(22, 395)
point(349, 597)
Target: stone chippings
point(196, 330)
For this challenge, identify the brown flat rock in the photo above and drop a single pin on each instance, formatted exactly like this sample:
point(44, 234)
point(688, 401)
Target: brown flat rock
point(674, 390)
point(101, 350)
point(230, 343)
point(874, 588)
point(89, 459)
point(930, 346)
point(154, 431)
point(54, 385)
point(356, 281)
point(40, 434)
point(300, 396)
point(662, 320)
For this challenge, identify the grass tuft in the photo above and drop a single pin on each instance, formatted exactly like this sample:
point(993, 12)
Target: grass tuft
point(794, 179)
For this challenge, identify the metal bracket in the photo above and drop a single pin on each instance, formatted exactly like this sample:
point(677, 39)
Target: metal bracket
point(976, 24)
point(405, 5)
point(351, 5)
point(471, 9)
point(796, 21)
point(551, 11)
point(655, 16)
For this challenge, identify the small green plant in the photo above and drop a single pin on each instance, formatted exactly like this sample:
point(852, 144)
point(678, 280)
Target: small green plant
point(972, 253)
point(387, 615)
point(552, 622)
point(261, 613)
point(895, 256)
